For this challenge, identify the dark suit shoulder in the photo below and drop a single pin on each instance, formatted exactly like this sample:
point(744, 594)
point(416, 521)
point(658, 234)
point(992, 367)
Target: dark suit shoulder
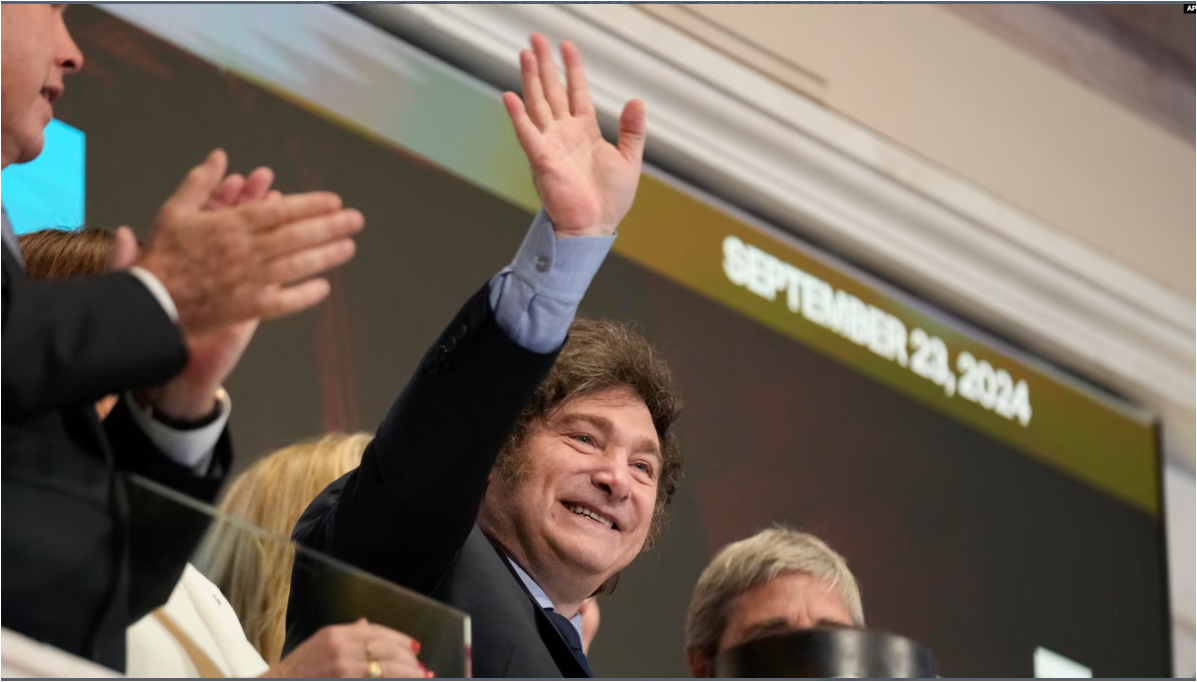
point(421, 480)
point(70, 342)
point(309, 529)
point(512, 637)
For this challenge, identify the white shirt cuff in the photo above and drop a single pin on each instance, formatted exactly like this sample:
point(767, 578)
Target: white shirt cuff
point(158, 290)
point(192, 448)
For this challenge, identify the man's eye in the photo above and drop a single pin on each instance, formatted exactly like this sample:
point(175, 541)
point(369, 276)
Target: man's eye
point(644, 466)
point(583, 438)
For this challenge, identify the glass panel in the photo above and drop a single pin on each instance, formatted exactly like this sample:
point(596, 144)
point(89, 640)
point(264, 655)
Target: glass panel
point(348, 593)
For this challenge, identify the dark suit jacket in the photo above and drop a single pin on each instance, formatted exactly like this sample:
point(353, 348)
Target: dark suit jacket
point(76, 570)
point(408, 513)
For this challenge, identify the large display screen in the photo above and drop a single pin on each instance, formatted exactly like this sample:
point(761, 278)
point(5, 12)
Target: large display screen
point(990, 506)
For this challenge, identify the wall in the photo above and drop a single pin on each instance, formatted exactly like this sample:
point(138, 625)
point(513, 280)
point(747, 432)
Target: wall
point(967, 100)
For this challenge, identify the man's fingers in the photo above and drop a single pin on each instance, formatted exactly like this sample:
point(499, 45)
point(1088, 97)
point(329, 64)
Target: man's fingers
point(236, 189)
point(282, 302)
point(124, 250)
point(550, 82)
point(632, 131)
point(525, 129)
point(257, 185)
point(262, 215)
point(575, 77)
point(197, 188)
point(300, 265)
point(309, 232)
point(226, 193)
point(538, 107)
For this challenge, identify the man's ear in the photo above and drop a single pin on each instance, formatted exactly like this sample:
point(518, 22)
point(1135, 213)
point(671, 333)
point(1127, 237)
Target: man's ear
point(700, 665)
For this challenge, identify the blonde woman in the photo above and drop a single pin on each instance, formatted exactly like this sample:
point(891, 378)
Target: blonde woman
point(254, 575)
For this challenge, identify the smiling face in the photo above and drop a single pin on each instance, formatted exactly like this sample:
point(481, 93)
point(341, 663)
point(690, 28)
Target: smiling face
point(37, 53)
point(581, 504)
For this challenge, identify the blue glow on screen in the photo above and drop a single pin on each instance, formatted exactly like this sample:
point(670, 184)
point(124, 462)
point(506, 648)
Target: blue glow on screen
point(48, 191)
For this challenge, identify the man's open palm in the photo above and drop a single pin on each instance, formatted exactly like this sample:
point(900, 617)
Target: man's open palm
point(585, 183)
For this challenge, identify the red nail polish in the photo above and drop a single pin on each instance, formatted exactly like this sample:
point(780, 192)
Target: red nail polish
point(415, 646)
point(429, 674)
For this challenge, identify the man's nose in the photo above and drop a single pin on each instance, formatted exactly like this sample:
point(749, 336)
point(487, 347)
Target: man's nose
point(70, 58)
point(613, 478)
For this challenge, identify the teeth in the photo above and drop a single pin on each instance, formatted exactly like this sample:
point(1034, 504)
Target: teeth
point(579, 509)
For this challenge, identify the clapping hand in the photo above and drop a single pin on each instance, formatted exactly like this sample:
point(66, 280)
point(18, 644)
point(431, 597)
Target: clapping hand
point(212, 355)
point(224, 264)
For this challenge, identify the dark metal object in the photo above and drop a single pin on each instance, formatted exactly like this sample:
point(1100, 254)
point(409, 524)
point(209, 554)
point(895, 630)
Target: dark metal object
point(827, 652)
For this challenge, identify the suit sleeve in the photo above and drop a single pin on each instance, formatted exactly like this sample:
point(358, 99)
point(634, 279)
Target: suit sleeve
point(71, 342)
point(409, 507)
point(163, 534)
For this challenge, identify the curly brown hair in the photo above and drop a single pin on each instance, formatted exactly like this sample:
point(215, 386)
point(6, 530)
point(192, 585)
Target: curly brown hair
point(600, 355)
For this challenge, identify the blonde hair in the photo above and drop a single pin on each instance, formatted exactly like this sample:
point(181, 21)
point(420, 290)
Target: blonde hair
point(753, 562)
point(253, 570)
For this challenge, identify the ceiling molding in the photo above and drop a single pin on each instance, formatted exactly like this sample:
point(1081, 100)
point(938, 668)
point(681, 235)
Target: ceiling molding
point(752, 141)
point(1095, 45)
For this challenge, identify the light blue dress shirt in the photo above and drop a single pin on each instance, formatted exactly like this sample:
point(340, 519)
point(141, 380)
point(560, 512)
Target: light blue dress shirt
point(536, 297)
point(541, 598)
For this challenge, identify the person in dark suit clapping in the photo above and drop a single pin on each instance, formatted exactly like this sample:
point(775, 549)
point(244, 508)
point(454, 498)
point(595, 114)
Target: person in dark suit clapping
point(162, 333)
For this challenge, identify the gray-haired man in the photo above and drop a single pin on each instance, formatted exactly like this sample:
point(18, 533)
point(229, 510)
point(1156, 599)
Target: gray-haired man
point(778, 580)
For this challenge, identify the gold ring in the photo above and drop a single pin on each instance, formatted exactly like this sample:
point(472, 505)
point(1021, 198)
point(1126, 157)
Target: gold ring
point(373, 667)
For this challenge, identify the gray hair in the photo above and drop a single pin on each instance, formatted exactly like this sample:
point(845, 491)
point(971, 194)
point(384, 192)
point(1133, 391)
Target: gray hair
point(755, 561)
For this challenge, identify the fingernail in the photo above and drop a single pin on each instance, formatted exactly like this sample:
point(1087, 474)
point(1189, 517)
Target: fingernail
point(429, 674)
point(415, 646)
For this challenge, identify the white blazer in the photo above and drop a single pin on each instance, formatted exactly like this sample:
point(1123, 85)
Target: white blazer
point(200, 613)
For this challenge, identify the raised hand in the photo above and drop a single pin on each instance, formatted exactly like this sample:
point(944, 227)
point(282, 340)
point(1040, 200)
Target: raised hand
point(254, 260)
point(585, 183)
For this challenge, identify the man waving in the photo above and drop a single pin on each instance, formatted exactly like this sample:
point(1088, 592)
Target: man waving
point(519, 472)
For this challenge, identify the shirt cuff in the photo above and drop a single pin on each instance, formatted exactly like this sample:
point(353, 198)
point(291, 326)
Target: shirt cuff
point(536, 298)
point(158, 290)
point(190, 448)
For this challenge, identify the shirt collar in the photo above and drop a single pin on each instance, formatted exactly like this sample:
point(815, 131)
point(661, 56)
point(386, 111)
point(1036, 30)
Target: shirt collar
point(10, 237)
point(539, 595)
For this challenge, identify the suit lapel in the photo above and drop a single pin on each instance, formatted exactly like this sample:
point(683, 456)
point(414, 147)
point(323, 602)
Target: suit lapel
point(552, 639)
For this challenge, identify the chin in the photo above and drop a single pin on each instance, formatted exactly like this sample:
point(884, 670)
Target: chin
point(30, 148)
point(587, 555)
